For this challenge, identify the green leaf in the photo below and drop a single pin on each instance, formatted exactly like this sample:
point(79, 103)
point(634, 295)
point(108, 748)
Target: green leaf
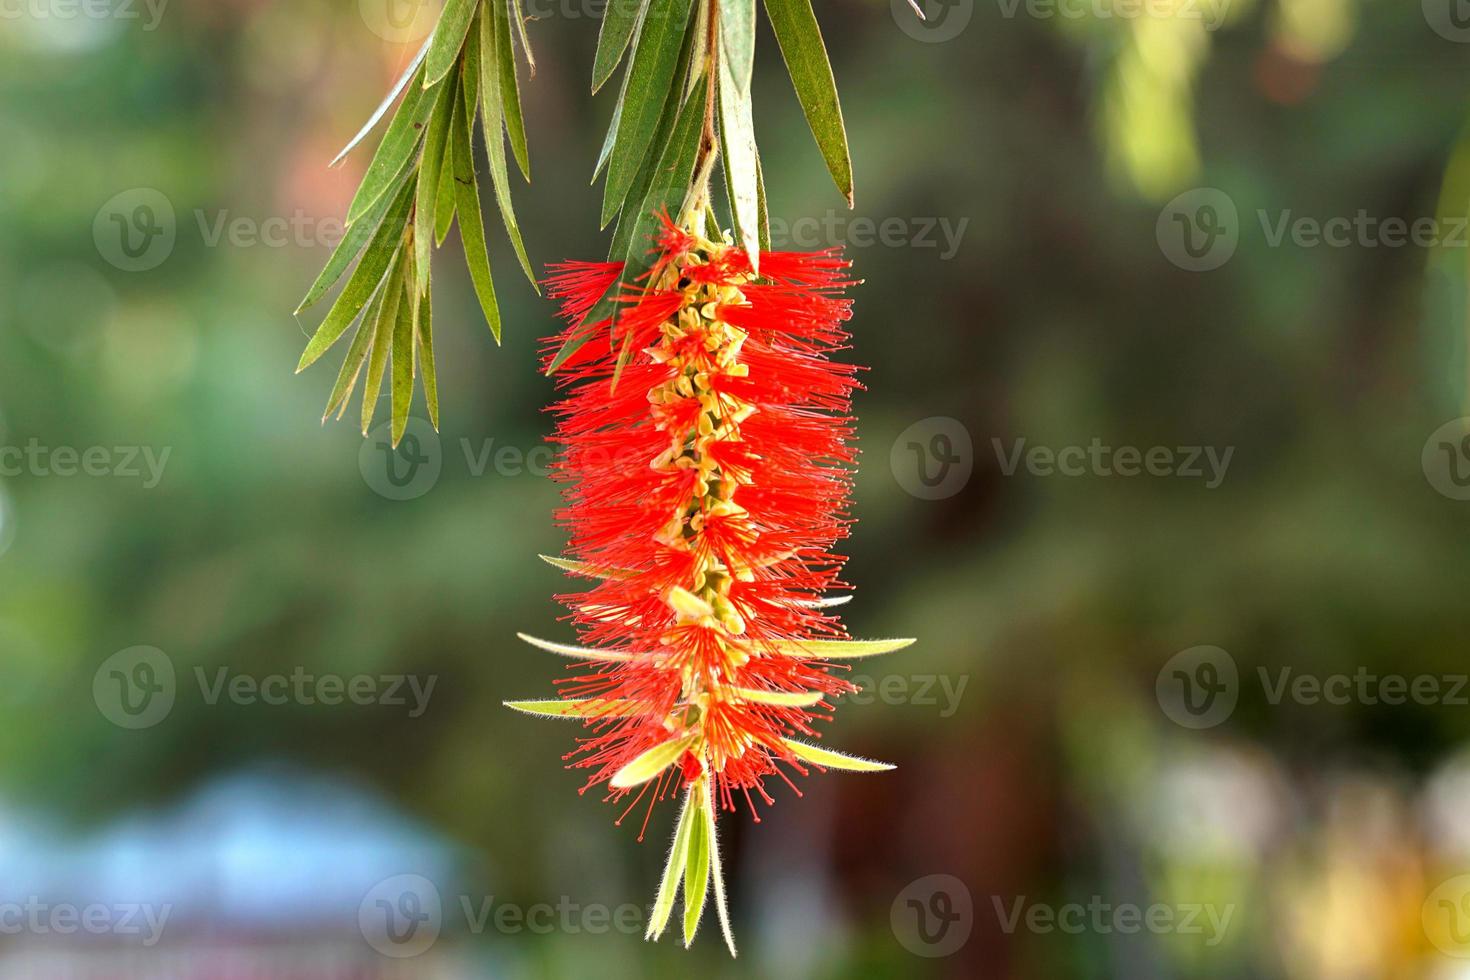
point(588, 569)
point(669, 183)
point(765, 217)
point(668, 887)
point(444, 199)
point(510, 93)
point(828, 759)
point(384, 106)
point(811, 73)
point(423, 331)
point(448, 38)
point(696, 867)
point(364, 281)
point(779, 699)
point(382, 345)
point(356, 355)
point(567, 650)
point(493, 123)
point(618, 21)
point(716, 874)
point(430, 170)
point(737, 135)
point(651, 763)
point(655, 56)
point(403, 364)
point(394, 154)
point(580, 708)
point(520, 18)
point(353, 239)
point(836, 649)
point(471, 226)
point(737, 41)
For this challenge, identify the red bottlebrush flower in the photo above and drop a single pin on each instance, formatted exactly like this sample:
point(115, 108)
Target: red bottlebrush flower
point(705, 492)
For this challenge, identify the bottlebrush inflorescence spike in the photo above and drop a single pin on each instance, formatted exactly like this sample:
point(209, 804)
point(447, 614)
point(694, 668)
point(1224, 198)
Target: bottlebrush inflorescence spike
point(707, 451)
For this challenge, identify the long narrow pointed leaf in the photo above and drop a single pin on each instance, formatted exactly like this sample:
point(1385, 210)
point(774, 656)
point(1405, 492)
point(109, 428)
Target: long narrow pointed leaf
point(651, 75)
point(493, 124)
point(581, 708)
point(696, 867)
point(717, 875)
point(567, 650)
point(430, 172)
point(387, 317)
point(837, 649)
point(619, 19)
point(828, 759)
point(737, 41)
point(519, 16)
point(400, 142)
point(800, 40)
point(780, 699)
point(353, 239)
point(471, 225)
point(510, 91)
point(403, 360)
point(356, 356)
point(587, 569)
point(385, 105)
point(423, 330)
point(363, 282)
point(447, 195)
point(668, 886)
point(737, 136)
point(448, 38)
point(650, 763)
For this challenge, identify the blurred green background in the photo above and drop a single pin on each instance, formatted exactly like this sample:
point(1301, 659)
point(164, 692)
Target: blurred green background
point(1097, 230)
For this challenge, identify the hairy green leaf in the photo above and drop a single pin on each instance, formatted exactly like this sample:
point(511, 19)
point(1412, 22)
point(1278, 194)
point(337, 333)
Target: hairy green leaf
point(403, 361)
point(668, 887)
point(828, 759)
point(580, 708)
point(471, 225)
point(619, 19)
point(737, 41)
point(387, 317)
point(837, 649)
point(510, 93)
point(353, 240)
point(650, 763)
point(408, 75)
point(493, 124)
point(430, 170)
point(423, 331)
point(400, 141)
point(801, 45)
point(696, 867)
point(737, 135)
point(448, 38)
point(655, 56)
point(567, 650)
point(364, 280)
